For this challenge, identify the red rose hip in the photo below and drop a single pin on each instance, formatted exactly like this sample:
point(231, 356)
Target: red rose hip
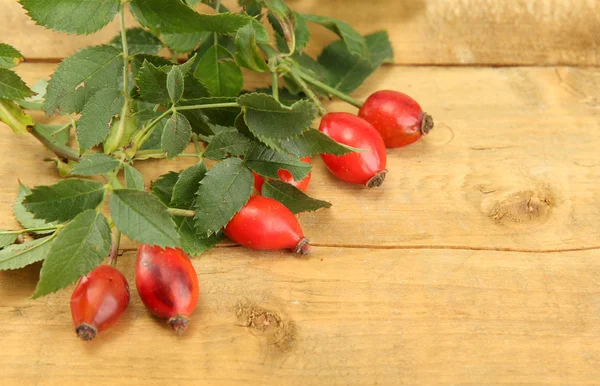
point(267, 224)
point(285, 176)
point(398, 118)
point(167, 283)
point(365, 168)
point(98, 301)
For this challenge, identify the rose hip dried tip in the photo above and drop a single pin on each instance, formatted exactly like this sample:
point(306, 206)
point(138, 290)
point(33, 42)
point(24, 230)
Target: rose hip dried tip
point(85, 332)
point(427, 124)
point(179, 324)
point(377, 179)
point(303, 247)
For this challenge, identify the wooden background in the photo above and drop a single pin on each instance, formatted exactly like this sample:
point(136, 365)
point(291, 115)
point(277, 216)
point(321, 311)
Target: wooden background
point(475, 263)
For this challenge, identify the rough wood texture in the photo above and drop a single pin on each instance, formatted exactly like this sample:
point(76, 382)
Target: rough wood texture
point(475, 263)
point(502, 32)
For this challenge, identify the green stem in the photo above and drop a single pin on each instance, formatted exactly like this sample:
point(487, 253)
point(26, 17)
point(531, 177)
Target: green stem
point(275, 85)
point(197, 145)
point(59, 150)
point(207, 106)
point(125, 48)
point(181, 212)
point(65, 127)
point(309, 92)
point(328, 89)
point(114, 249)
point(29, 230)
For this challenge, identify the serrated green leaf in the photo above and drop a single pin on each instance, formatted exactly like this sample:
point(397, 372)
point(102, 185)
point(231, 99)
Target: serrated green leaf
point(35, 102)
point(92, 164)
point(184, 190)
point(139, 41)
point(261, 33)
point(12, 86)
point(137, 61)
point(152, 82)
point(7, 238)
point(266, 117)
point(9, 56)
point(97, 116)
point(313, 142)
point(191, 243)
point(78, 249)
point(20, 255)
point(185, 42)
point(221, 75)
point(247, 53)
point(14, 117)
point(133, 178)
point(345, 71)
point(80, 76)
point(267, 163)
point(353, 40)
point(175, 84)
point(176, 135)
point(228, 143)
point(223, 192)
point(172, 16)
point(162, 188)
point(24, 217)
point(296, 200)
point(143, 217)
point(72, 16)
point(54, 133)
point(285, 21)
point(64, 200)
point(301, 34)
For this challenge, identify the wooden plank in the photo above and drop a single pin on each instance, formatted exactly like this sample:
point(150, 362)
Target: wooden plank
point(512, 164)
point(503, 32)
point(340, 317)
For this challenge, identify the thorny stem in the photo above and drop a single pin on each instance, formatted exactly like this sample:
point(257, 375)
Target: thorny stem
point(114, 249)
point(328, 89)
point(181, 212)
point(309, 92)
point(29, 230)
point(61, 151)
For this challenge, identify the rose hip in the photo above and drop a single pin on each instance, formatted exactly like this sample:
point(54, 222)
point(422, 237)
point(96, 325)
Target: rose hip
point(365, 168)
point(98, 301)
point(267, 224)
point(167, 283)
point(285, 176)
point(398, 117)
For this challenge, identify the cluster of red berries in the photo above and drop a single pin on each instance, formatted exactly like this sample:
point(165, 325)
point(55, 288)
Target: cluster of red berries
point(165, 278)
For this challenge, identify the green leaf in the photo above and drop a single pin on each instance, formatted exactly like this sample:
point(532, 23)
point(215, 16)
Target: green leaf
point(7, 238)
point(191, 243)
point(223, 192)
point(247, 53)
point(9, 56)
point(313, 142)
point(267, 163)
point(24, 217)
point(52, 133)
point(97, 116)
point(286, 21)
point(172, 16)
point(72, 16)
point(12, 87)
point(92, 164)
point(14, 117)
point(163, 187)
point(176, 135)
point(64, 200)
point(20, 255)
point(296, 200)
point(137, 61)
point(143, 218)
point(121, 130)
point(353, 40)
point(221, 75)
point(266, 117)
point(139, 41)
point(228, 143)
point(185, 42)
point(133, 178)
point(80, 76)
point(35, 102)
point(345, 71)
point(184, 191)
point(77, 250)
point(175, 84)
point(261, 33)
point(302, 33)
point(152, 82)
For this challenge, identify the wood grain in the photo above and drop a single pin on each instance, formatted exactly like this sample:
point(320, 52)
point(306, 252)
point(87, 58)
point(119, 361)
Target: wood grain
point(511, 164)
point(340, 317)
point(449, 32)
